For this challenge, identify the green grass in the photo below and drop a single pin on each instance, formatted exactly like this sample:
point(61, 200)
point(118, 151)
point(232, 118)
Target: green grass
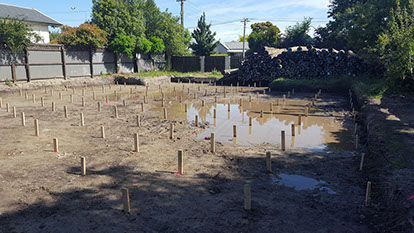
point(344, 82)
point(213, 74)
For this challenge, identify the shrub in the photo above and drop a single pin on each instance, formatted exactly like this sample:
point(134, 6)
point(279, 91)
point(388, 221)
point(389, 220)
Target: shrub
point(157, 45)
point(84, 36)
point(123, 44)
point(16, 35)
point(143, 46)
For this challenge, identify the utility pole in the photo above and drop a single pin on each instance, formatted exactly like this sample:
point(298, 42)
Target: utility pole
point(182, 11)
point(245, 21)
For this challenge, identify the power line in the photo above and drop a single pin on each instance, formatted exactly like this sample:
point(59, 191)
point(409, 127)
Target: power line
point(182, 11)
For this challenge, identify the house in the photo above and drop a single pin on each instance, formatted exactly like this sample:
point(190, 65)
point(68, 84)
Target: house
point(234, 48)
point(38, 21)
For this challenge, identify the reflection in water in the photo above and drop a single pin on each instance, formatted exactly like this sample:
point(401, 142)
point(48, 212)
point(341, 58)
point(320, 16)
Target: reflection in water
point(301, 183)
point(316, 133)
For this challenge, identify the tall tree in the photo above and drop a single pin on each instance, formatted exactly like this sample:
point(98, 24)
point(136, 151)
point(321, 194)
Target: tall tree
point(204, 38)
point(16, 35)
point(297, 35)
point(153, 19)
point(119, 17)
point(176, 39)
point(263, 34)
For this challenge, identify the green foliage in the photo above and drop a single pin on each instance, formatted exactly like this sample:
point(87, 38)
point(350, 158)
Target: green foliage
point(85, 36)
point(15, 35)
point(245, 38)
point(119, 17)
point(157, 45)
point(9, 83)
point(263, 34)
point(297, 35)
point(143, 46)
point(123, 44)
point(54, 37)
point(204, 38)
point(396, 46)
point(153, 20)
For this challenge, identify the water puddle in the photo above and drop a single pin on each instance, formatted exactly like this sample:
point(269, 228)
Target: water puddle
point(301, 183)
point(316, 133)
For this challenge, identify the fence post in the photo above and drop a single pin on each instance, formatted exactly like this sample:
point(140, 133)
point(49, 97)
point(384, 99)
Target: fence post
point(27, 66)
point(13, 70)
point(137, 61)
point(202, 63)
point(91, 61)
point(62, 50)
point(227, 62)
point(116, 63)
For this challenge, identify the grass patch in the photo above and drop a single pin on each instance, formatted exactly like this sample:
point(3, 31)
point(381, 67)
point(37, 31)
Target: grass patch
point(344, 82)
point(213, 74)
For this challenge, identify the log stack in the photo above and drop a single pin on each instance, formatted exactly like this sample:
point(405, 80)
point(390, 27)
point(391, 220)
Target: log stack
point(297, 63)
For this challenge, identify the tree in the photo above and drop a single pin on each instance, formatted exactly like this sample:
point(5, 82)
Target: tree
point(85, 36)
point(263, 34)
point(204, 39)
point(123, 44)
point(153, 19)
point(119, 17)
point(157, 45)
point(175, 37)
point(143, 46)
point(245, 38)
point(396, 46)
point(16, 35)
point(297, 35)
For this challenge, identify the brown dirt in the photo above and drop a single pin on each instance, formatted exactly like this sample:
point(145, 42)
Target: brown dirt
point(43, 191)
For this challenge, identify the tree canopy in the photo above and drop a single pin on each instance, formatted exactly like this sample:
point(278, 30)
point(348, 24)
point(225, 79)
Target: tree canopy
point(204, 38)
point(297, 35)
point(16, 35)
point(85, 36)
point(263, 34)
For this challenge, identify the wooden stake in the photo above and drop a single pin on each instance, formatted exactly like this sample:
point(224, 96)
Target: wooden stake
point(55, 145)
point(82, 120)
point(1, 102)
point(138, 120)
point(94, 95)
point(83, 101)
point(268, 162)
point(124, 102)
point(34, 98)
point(234, 131)
point(247, 197)
point(271, 107)
point(261, 113)
point(99, 106)
point(250, 121)
point(202, 103)
point(83, 166)
point(42, 102)
point(215, 113)
point(53, 106)
point(228, 107)
point(368, 193)
point(185, 107)
point(136, 142)
point(125, 200)
point(171, 131)
point(283, 141)
point(36, 126)
point(102, 132)
point(7, 107)
point(180, 162)
point(306, 111)
point(65, 110)
point(142, 107)
point(71, 99)
point(165, 114)
point(196, 120)
point(14, 112)
point(300, 120)
point(60, 95)
point(250, 98)
point(213, 143)
point(293, 130)
point(215, 99)
point(115, 112)
point(23, 119)
point(361, 165)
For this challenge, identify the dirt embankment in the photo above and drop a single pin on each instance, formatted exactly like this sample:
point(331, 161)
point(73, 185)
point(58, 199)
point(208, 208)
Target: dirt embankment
point(388, 138)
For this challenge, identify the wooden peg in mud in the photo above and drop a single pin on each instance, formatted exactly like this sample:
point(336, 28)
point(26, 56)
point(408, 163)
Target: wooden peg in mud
point(115, 112)
point(306, 111)
point(138, 120)
point(36, 126)
point(300, 120)
point(125, 200)
point(26, 96)
point(93, 96)
point(271, 107)
point(7, 107)
point(234, 131)
point(82, 119)
point(53, 106)
point(247, 197)
point(293, 130)
point(196, 121)
point(180, 162)
point(215, 113)
point(14, 112)
point(83, 102)
point(102, 132)
point(213, 143)
point(185, 107)
point(136, 142)
point(99, 106)
point(60, 95)
point(55, 145)
point(368, 194)
point(142, 107)
point(23, 119)
point(65, 110)
point(215, 99)
point(283, 141)
point(171, 131)
point(83, 166)
point(165, 114)
point(268, 162)
point(361, 165)
point(261, 113)
point(228, 108)
point(124, 102)
point(250, 121)
point(205, 92)
point(71, 98)
point(250, 98)
point(202, 103)
point(34, 98)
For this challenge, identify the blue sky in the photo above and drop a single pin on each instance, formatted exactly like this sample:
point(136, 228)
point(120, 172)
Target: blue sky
point(225, 16)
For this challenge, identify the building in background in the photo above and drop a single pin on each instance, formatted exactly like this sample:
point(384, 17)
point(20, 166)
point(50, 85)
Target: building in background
point(38, 21)
point(234, 48)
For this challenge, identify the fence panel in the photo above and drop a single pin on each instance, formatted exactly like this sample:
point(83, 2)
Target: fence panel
point(186, 63)
point(215, 63)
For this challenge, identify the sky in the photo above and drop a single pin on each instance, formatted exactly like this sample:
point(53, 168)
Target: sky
point(225, 16)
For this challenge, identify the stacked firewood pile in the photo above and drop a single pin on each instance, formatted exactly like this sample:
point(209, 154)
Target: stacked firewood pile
point(297, 63)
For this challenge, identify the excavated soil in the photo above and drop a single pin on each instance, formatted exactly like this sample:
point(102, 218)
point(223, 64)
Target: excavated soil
point(315, 185)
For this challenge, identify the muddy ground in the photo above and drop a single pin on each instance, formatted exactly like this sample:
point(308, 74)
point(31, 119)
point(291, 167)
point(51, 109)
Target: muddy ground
point(43, 191)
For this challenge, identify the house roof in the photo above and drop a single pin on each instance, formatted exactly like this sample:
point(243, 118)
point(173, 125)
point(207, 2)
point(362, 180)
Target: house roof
point(235, 46)
point(26, 14)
